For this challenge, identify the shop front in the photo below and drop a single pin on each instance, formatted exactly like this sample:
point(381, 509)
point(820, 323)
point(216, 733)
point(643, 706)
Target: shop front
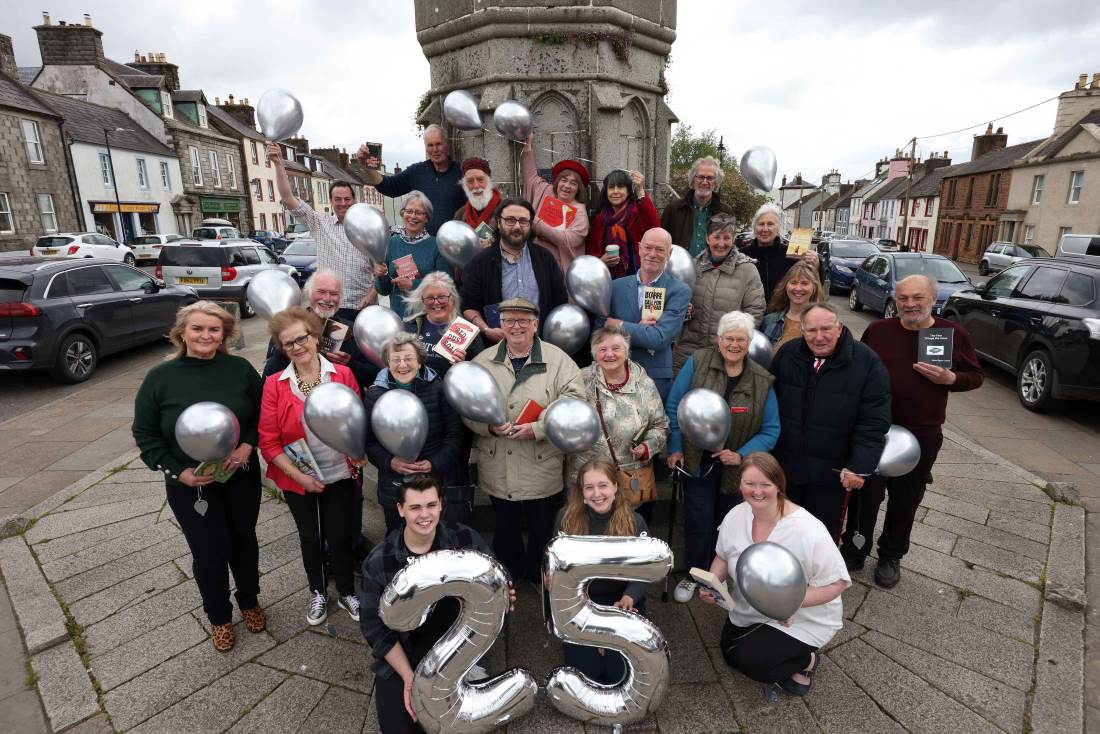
point(127, 220)
point(221, 207)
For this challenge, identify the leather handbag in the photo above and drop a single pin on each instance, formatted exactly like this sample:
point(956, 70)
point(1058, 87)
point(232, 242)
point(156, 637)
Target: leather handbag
point(640, 484)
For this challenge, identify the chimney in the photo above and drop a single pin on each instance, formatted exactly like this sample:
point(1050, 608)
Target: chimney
point(784, 180)
point(241, 110)
point(69, 44)
point(155, 63)
point(1082, 80)
point(7, 57)
point(45, 17)
point(300, 144)
point(1095, 80)
point(1077, 102)
point(988, 142)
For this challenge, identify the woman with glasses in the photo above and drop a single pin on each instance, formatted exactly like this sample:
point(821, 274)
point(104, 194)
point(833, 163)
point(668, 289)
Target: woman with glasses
point(564, 238)
point(413, 253)
point(430, 309)
point(711, 478)
point(317, 481)
point(404, 357)
point(623, 213)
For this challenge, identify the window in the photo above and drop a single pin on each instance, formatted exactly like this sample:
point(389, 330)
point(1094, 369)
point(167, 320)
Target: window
point(250, 256)
point(7, 221)
point(215, 170)
point(928, 207)
point(1078, 290)
point(49, 217)
point(1044, 284)
point(166, 103)
point(1029, 234)
point(165, 176)
point(202, 114)
point(270, 191)
point(1037, 189)
point(105, 168)
point(88, 282)
point(255, 152)
point(34, 143)
point(257, 189)
point(952, 189)
point(970, 191)
point(1004, 283)
point(196, 166)
point(263, 220)
point(128, 279)
point(267, 257)
point(142, 173)
point(1076, 181)
point(913, 212)
point(994, 191)
point(230, 171)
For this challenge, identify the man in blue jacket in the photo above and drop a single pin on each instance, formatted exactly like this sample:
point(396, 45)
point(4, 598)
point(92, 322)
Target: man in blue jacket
point(666, 298)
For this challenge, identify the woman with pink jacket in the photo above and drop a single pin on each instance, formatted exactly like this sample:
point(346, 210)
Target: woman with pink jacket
point(570, 185)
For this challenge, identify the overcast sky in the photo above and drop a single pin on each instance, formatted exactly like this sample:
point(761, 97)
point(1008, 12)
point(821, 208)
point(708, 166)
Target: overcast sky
point(826, 85)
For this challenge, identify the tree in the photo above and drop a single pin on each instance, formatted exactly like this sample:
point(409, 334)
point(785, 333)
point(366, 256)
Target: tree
point(687, 147)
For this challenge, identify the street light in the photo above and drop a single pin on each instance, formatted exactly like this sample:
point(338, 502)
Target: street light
point(114, 181)
point(721, 151)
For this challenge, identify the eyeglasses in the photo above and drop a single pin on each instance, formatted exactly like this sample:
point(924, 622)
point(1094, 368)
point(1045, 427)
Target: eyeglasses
point(403, 359)
point(298, 342)
point(734, 340)
point(437, 299)
point(516, 322)
point(705, 178)
point(513, 221)
point(415, 212)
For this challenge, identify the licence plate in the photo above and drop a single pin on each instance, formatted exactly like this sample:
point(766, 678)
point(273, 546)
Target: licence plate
point(49, 251)
point(191, 281)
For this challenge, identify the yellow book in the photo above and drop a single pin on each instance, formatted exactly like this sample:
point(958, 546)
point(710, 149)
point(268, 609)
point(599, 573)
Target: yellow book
point(800, 241)
point(653, 302)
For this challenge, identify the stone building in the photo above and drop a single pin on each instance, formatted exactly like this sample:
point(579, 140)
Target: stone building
point(237, 119)
point(592, 75)
point(36, 192)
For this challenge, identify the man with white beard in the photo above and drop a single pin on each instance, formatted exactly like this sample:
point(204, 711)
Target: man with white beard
point(482, 199)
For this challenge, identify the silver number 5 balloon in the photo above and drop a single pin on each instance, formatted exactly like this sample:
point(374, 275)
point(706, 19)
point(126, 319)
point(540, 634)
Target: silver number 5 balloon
point(571, 562)
point(443, 700)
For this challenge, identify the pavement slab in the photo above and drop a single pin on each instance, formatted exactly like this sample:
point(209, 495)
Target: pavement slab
point(690, 662)
point(339, 710)
point(988, 535)
point(1024, 509)
point(1037, 531)
point(1003, 561)
point(40, 616)
point(681, 712)
point(1059, 672)
point(935, 538)
point(1065, 582)
point(66, 690)
point(128, 593)
point(998, 618)
point(951, 506)
point(964, 575)
point(915, 588)
point(106, 494)
point(147, 651)
point(49, 552)
point(105, 552)
point(58, 524)
point(839, 706)
point(324, 658)
point(285, 709)
point(138, 619)
point(90, 581)
point(755, 713)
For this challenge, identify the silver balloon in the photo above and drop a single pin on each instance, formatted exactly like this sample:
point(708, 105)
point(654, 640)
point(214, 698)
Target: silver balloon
point(566, 328)
point(771, 579)
point(457, 242)
point(441, 697)
point(901, 453)
point(474, 394)
point(571, 562)
point(335, 414)
point(207, 431)
point(758, 168)
point(760, 349)
point(373, 327)
point(704, 418)
point(682, 266)
point(571, 425)
point(400, 422)
point(589, 284)
point(368, 231)
point(279, 113)
point(460, 109)
point(272, 291)
point(513, 120)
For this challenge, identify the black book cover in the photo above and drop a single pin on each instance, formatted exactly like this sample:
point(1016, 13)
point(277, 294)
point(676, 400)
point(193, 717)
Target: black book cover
point(934, 346)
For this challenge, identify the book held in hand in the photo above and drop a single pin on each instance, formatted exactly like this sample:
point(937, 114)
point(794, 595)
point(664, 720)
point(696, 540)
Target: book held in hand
point(302, 458)
point(556, 213)
point(800, 242)
point(214, 469)
point(529, 414)
point(458, 336)
point(717, 588)
point(333, 335)
point(934, 346)
point(653, 302)
point(405, 267)
point(484, 232)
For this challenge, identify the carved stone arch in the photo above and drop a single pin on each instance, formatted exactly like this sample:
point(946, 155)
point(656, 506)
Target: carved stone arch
point(634, 136)
point(557, 128)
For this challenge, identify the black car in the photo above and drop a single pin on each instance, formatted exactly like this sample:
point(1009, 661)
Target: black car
point(1040, 320)
point(64, 314)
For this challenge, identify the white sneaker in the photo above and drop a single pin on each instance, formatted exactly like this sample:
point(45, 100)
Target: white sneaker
point(318, 608)
point(349, 604)
point(684, 591)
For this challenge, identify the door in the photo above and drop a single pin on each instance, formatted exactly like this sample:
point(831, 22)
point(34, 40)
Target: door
point(106, 247)
point(1028, 312)
point(102, 306)
point(983, 318)
point(152, 310)
point(994, 256)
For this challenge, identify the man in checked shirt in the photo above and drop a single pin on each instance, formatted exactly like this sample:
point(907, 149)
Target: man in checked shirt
point(334, 252)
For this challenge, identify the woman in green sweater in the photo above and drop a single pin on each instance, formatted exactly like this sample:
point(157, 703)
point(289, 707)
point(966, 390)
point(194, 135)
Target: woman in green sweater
point(413, 241)
point(221, 528)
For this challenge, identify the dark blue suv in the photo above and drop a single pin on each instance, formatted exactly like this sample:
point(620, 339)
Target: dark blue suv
point(839, 260)
point(878, 276)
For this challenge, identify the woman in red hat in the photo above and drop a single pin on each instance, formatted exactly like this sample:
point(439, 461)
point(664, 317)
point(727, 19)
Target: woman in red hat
point(564, 233)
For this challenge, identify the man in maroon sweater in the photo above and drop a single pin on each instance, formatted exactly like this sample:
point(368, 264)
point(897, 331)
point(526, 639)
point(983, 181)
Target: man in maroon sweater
point(919, 402)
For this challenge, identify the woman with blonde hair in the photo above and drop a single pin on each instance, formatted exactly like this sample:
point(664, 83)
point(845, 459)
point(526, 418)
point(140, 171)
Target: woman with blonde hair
point(218, 518)
point(796, 290)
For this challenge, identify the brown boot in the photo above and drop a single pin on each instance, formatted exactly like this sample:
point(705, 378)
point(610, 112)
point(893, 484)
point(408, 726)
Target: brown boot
point(254, 619)
point(223, 637)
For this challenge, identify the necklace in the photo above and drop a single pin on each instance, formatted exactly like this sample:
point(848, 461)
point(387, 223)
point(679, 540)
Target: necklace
point(616, 386)
point(307, 387)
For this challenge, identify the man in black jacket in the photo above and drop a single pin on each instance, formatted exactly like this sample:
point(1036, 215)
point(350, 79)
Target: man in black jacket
point(686, 218)
point(834, 412)
point(512, 267)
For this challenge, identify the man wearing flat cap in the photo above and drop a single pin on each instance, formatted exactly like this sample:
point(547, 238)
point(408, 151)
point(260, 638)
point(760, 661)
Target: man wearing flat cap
point(517, 467)
point(482, 198)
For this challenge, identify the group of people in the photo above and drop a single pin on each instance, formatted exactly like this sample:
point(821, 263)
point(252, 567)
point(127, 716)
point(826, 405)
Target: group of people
point(805, 432)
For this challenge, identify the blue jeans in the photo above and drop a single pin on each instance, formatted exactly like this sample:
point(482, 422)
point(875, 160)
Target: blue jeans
point(704, 508)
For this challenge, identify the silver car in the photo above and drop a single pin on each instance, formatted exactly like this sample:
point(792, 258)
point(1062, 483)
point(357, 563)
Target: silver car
point(1000, 255)
point(147, 246)
point(218, 269)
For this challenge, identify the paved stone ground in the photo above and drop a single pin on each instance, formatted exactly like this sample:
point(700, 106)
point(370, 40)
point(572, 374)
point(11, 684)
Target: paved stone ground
point(984, 633)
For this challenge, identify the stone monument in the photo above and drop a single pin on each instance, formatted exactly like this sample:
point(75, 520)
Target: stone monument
point(591, 72)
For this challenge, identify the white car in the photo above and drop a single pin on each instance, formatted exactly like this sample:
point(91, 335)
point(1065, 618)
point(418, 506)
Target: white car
point(82, 244)
point(147, 247)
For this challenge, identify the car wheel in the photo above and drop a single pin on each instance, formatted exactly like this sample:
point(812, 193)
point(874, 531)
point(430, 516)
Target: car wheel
point(76, 359)
point(853, 300)
point(129, 260)
point(983, 268)
point(1035, 381)
point(890, 310)
point(247, 311)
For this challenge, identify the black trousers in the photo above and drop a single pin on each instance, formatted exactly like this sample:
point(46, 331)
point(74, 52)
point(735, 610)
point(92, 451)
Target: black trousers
point(222, 540)
point(523, 561)
point(764, 653)
point(326, 517)
point(905, 495)
point(823, 501)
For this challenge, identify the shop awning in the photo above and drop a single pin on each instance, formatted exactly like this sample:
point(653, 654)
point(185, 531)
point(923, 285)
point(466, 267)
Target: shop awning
point(109, 207)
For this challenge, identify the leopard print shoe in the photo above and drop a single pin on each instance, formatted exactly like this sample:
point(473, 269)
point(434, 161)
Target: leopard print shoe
point(223, 637)
point(254, 619)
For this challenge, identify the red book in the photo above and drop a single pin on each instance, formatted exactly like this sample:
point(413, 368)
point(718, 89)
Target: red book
point(556, 213)
point(530, 413)
point(406, 267)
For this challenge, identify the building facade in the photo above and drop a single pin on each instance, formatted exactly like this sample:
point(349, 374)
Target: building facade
point(237, 119)
point(873, 213)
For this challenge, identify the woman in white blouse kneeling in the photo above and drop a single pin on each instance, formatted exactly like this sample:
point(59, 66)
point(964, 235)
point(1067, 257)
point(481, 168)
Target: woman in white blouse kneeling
point(764, 649)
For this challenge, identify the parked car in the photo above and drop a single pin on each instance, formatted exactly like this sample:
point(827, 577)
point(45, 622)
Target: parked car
point(147, 247)
point(1040, 320)
point(887, 245)
point(83, 244)
point(218, 269)
point(216, 229)
point(877, 277)
point(64, 314)
point(839, 260)
point(1080, 246)
point(999, 255)
point(302, 254)
point(294, 231)
point(269, 239)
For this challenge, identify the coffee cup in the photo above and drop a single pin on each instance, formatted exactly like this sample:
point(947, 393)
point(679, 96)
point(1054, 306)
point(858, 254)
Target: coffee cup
point(613, 250)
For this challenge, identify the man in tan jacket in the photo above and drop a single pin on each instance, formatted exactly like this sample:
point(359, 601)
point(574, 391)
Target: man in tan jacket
point(517, 467)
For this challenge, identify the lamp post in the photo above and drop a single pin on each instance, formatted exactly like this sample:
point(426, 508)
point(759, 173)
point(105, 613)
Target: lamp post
point(114, 181)
point(722, 151)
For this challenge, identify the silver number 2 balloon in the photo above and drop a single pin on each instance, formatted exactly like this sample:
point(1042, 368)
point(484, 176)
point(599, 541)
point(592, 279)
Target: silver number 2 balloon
point(443, 700)
point(571, 562)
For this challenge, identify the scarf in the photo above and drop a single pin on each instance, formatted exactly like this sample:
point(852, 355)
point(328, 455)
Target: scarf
point(615, 233)
point(474, 217)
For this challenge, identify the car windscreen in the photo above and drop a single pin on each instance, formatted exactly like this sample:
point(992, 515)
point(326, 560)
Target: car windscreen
point(146, 241)
point(202, 257)
point(302, 247)
point(942, 271)
point(53, 241)
point(205, 233)
point(852, 249)
point(1034, 250)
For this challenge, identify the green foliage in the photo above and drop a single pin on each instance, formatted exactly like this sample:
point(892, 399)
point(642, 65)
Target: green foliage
point(687, 147)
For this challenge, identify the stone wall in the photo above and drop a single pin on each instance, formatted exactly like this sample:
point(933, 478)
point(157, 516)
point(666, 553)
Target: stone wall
point(181, 139)
point(70, 44)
